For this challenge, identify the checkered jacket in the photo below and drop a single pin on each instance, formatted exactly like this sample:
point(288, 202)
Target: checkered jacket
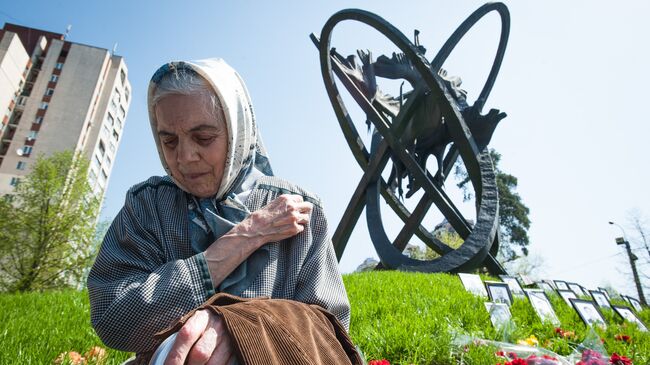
point(147, 275)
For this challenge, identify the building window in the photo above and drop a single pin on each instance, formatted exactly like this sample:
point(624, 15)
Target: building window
point(59, 65)
point(21, 165)
point(111, 146)
point(107, 162)
point(122, 76)
point(92, 178)
point(116, 136)
point(54, 78)
point(44, 105)
point(105, 131)
point(109, 119)
point(14, 181)
point(119, 124)
point(102, 149)
point(113, 106)
point(117, 96)
point(122, 112)
point(96, 163)
point(22, 100)
point(49, 92)
point(32, 135)
point(127, 93)
point(102, 178)
point(27, 150)
point(38, 120)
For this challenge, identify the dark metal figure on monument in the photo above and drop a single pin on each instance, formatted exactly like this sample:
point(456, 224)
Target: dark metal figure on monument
point(434, 118)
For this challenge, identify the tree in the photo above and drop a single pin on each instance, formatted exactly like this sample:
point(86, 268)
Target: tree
point(47, 226)
point(513, 213)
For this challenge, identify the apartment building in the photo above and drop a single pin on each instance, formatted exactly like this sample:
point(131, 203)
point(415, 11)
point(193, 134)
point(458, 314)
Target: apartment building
point(57, 95)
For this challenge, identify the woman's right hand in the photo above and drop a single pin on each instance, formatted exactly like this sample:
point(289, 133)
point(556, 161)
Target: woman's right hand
point(284, 217)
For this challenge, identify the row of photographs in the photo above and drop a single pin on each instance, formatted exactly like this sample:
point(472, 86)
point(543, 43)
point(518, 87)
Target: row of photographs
point(501, 296)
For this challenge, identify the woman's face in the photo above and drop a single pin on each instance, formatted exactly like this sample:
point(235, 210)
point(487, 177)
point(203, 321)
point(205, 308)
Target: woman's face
point(194, 141)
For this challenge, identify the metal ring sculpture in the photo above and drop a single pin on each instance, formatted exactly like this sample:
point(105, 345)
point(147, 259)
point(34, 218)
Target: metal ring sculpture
point(481, 240)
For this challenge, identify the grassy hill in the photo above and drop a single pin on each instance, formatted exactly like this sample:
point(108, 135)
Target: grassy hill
point(406, 318)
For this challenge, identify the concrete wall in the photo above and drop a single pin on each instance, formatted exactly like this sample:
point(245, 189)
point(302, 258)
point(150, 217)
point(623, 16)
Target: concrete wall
point(13, 61)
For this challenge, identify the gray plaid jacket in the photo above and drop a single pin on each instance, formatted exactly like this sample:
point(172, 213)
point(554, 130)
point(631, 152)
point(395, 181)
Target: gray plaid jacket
point(146, 274)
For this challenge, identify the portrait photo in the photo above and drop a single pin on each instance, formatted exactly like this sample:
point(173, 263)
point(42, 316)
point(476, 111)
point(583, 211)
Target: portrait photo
point(473, 284)
point(542, 306)
point(513, 283)
point(561, 285)
point(499, 292)
point(545, 286)
point(588, 312)
point(567, 295)
point(604, 291)
point(576, 288)
point(627, 314)
point(635, 303)
point(600, 298)
point(499, 314)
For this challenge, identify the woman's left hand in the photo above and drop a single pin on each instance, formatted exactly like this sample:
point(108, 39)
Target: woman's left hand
point(203, 339)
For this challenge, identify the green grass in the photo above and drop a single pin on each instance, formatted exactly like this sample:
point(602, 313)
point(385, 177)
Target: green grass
point(36, 327)
point(406, 318)
point(411, 318)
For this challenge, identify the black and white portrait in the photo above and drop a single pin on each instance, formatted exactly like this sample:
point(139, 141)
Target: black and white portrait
point(473, 284)
point(499, 292)
point(499, 314)
point(542, 306)
point(513, 283)
point(600, 298)
point(589, 312)
point(567, 295)
point(627, 314)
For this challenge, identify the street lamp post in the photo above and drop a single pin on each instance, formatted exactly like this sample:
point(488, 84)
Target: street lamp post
point(632, 256)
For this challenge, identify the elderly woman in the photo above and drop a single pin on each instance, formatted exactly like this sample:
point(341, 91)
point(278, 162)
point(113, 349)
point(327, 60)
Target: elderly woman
point(218, 222)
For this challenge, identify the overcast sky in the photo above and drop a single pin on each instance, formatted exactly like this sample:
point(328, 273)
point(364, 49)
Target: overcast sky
point(573, 82)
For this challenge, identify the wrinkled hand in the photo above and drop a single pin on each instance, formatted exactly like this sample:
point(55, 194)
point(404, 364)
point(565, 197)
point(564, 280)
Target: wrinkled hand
point(202, 340)
point(284, 217)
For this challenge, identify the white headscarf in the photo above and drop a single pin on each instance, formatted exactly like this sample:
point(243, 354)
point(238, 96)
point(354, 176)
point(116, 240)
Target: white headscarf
point(246, 158)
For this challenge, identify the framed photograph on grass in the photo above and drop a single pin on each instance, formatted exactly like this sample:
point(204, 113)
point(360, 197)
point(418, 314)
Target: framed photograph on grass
point(604, 291)
point(513, 283)
point(499, 292)
point(561, 285)
point(576, 288)
point(567, 295)
point(473, 284)
point(630, 316)
point(545, 286)
point(636, 304)
point(542, 306)
point(600, 298)
point(499, 314)
point(589, 312)
point(526, 280)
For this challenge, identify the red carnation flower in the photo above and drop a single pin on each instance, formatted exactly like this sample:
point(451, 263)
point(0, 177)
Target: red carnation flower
point(617, 359)
point(378, 362)
point(624, 338)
